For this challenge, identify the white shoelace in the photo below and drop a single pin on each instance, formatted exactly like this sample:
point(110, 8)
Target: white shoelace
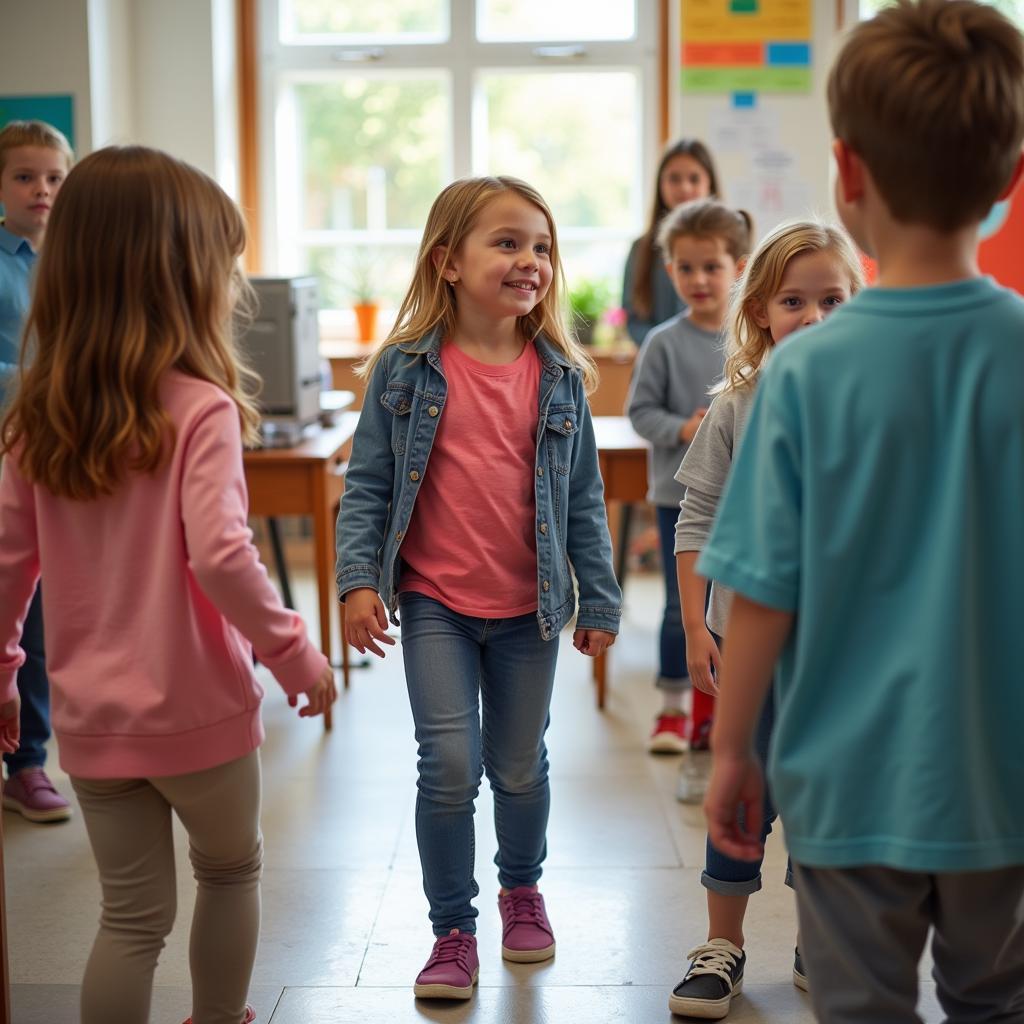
point(709, 959)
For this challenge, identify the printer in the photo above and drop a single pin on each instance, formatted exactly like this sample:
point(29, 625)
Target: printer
point(283, 346)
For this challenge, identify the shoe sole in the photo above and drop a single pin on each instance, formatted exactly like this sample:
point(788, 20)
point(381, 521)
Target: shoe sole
point(706, 1009)
point(445, 991)
point(667, 745)
point(527, 956)
point(800, 980)
point(40, 817)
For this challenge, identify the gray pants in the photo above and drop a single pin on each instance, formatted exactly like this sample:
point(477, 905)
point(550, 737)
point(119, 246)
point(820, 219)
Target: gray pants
point(129, 826)
point(863, 930)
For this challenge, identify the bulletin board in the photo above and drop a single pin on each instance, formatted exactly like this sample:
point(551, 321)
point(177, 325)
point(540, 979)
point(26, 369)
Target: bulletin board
point(58, 110)
point(745, 46)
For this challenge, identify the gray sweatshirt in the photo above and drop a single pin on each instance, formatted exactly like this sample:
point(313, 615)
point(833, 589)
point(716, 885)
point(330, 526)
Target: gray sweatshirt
point(676, 367)
point(703, 473)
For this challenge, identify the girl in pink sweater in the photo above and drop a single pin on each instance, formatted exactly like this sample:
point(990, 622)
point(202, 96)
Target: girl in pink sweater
point(122, 485)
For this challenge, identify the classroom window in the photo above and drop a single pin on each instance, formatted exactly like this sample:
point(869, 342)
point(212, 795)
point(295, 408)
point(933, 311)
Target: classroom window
point(369, 109)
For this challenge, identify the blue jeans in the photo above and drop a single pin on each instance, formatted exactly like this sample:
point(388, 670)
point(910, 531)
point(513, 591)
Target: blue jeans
point(34, 690)
point(672, 674)
point(741, 877)
point(454, 664)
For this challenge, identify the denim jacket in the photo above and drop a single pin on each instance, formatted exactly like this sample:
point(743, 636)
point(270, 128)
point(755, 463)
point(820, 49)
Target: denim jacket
point(403, 405)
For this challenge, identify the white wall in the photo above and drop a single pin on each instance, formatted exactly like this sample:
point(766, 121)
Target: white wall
point(44, 49)
point(774, 161)
point(157, 72)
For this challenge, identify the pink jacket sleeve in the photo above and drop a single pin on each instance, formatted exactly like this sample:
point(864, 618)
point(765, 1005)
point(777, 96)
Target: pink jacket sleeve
point(19, 569)
point(214, 509)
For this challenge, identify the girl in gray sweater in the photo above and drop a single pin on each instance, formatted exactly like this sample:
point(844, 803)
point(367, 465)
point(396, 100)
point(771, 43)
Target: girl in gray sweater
point(798, 275)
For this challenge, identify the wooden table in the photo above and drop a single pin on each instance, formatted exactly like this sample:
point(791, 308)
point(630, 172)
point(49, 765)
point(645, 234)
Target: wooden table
point(307, 480)
point(622, 454)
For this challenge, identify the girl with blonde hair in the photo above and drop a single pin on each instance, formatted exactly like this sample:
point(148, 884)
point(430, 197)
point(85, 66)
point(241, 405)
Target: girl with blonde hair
point(798, 275)
point(472, 498)
point(122, 484)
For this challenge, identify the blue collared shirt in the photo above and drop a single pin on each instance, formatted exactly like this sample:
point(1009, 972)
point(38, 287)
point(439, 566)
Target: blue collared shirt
point(17, 258)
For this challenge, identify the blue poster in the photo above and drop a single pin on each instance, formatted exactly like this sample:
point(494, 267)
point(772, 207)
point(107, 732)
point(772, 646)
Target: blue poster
point(55, 110)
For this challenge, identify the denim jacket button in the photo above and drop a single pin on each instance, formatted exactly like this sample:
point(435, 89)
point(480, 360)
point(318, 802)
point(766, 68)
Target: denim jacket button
point(544, 528)
point(568, 424)
point(399, 535)
point(546, 585)
point(540, 471)
point(414, 475)
point(433, 410)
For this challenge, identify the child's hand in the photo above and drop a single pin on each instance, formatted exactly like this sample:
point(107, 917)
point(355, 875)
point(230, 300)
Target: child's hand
point(737, 785)
point(689, 428)
point(10, 725)
point(703, 660)
point(592, 641)
point(366, 621)
point(319, 697)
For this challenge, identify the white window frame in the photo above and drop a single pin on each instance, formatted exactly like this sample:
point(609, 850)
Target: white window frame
point(463, 58)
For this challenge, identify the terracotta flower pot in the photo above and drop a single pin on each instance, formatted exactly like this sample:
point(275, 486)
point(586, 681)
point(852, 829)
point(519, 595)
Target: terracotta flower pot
point(366, 320)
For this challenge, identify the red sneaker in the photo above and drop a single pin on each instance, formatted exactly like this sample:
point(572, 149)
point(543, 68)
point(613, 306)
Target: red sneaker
point(526, 935)
point(669, 735)
point(249, 1018)
point(31, 793)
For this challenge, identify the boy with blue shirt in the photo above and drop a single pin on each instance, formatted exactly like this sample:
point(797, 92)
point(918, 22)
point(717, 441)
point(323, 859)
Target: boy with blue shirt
point(872, 529)
point(34, 160)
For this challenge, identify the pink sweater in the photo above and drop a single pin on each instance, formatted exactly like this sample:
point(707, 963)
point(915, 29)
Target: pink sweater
point(147, 595)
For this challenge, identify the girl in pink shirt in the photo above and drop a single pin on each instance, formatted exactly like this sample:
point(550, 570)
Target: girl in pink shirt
point(472, 500)
point(122, 484)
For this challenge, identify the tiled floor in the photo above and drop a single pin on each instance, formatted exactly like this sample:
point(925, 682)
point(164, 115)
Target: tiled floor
point(345, 927)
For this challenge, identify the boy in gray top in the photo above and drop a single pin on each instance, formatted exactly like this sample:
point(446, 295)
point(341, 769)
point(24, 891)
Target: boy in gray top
point(703, 242)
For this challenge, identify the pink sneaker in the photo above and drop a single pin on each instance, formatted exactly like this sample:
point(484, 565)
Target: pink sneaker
point(669, 735)
point(452, 969)
point(526, 935)
point(249, 1018)
point(31, 793)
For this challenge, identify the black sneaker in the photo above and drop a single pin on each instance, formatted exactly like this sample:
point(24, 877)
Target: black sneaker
point(715, 975)
point(799, 977)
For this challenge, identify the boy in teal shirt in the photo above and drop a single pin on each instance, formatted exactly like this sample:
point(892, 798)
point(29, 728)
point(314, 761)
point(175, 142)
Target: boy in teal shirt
point(873, 531)
point(34, 159)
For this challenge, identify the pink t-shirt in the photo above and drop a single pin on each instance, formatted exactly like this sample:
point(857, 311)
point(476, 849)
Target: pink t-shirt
point(471, 543)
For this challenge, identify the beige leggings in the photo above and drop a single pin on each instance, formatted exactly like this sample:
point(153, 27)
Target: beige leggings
point(129, 826)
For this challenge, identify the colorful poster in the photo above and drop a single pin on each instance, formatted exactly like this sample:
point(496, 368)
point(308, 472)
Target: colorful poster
point(746, 46)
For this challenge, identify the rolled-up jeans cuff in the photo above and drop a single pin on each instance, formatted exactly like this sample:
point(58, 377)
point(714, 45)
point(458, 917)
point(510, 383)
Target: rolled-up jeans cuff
point(730, 888)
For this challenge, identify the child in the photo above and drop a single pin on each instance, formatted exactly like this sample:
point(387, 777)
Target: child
point(34, 160)
point(702, 243)
point(685, 171)
point(472, 497)
point(799, 274)
point(871, 528)
point(122, 483)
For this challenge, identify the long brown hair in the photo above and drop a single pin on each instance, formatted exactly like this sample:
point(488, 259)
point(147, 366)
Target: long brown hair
point(642, 299)
point(138, 276)
point(430, 302)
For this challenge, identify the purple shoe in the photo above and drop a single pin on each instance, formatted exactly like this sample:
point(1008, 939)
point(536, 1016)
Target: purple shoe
point(31, 793)
point(452, 970)
point(526, 935)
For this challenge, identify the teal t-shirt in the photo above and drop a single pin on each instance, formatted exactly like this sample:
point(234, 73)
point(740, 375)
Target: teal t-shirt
point(879, 495)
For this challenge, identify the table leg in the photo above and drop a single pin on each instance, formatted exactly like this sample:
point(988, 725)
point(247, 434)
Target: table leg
point(323, 554)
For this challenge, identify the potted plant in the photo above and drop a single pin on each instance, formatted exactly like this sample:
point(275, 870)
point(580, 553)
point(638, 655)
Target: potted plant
point(588, 300)
point(364, 295)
